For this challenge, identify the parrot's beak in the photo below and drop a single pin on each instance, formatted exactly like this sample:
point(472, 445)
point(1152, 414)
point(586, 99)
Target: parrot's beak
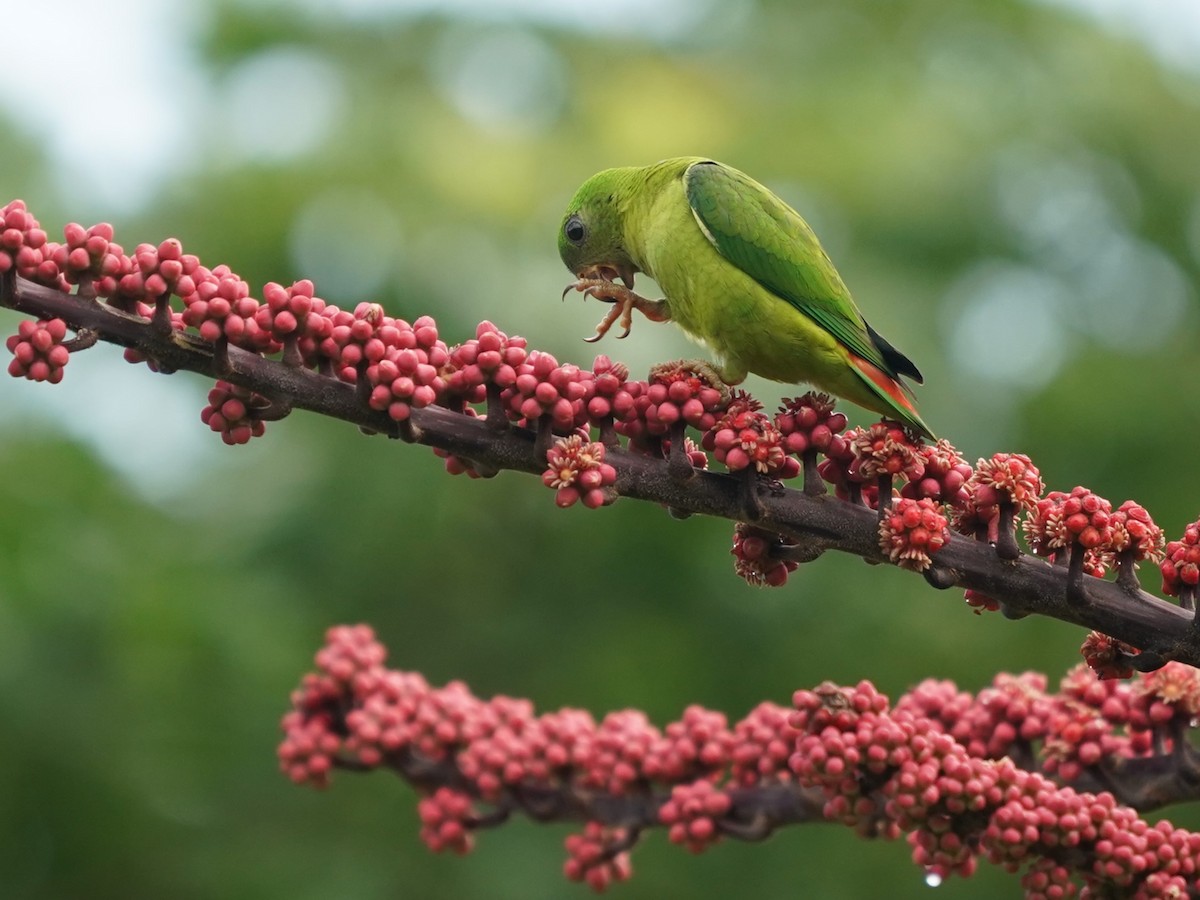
point(626, 270)
point(608, 272)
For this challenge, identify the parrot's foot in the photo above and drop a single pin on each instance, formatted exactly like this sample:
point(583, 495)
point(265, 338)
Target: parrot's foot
point(711, 374)
point(624, 301)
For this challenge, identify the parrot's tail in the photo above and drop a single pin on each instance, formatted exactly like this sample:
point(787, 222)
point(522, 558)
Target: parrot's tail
point(894, 394)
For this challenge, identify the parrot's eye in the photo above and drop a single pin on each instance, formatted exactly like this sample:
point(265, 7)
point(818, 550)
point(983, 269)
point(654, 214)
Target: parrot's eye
point(574, 230)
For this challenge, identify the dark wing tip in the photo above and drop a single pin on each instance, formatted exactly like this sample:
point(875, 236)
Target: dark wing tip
point(899, 363)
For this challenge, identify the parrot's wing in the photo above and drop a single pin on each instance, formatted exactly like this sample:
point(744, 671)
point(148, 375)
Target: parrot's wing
point(767, 239)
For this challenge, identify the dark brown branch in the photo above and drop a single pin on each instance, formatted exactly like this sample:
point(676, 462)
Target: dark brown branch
point(1147, 783)
point(1026, 585)
point(755, 813)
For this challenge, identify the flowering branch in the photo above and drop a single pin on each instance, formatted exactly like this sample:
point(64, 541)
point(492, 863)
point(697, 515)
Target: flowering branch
point(488, 404)
point(1043, 783)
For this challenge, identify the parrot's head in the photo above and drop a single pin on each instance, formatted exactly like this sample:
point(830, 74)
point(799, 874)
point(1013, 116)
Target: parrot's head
point(592, 233)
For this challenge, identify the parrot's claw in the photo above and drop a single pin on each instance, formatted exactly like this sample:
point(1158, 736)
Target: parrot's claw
point(619, 311)
point(624, 301)
point(710, 372)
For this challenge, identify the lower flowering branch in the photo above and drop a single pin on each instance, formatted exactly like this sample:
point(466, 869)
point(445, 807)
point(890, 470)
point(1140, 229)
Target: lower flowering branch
point(749, 814)
point(1007, 775)
point(488, 404)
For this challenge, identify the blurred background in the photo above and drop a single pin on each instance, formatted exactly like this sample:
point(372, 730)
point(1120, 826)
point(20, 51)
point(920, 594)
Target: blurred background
point(1009, 187)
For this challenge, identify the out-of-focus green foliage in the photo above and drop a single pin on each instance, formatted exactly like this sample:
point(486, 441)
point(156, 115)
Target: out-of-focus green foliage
point(1011, 194)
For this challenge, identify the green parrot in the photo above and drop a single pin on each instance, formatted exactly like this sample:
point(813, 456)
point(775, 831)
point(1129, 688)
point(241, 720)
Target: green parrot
point(743, 274)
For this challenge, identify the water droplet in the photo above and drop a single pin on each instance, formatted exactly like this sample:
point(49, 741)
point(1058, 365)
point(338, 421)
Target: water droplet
point(933, 879)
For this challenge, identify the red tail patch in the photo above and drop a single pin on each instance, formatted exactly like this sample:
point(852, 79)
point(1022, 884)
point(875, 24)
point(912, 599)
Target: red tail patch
point(885, 383)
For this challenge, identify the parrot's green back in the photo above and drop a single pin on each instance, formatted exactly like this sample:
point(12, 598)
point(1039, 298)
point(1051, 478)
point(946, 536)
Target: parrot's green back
point(744, 274)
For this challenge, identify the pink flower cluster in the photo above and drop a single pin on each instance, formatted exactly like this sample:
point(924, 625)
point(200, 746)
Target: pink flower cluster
point(446, 817)
point(1089, 721)
point(912, 531)
point(757, 556)
point(944, 475)
point(23, 245)
point(491, 357)
point(231, 413)
point(885, 771)
point(402, 362)
point(89, 254)
point(1084, 522)
point(692, 812)
point(612, 398)
point(598, 856)
point(1005, 478)
point(1134, 533)
point(544, 388)
point(221, 308)
point(1085, 518)
point(809, 424)
point(1061, 519)
point(293, 314)
point(1106, 656)
point(940, 767)
point(841, 470)
point(762, 746)
point(1181, 566)
point(577, 471)
point(675, 393)
point(38, 351)
point(745, 438)
point(642, 411)
point(886, 449)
